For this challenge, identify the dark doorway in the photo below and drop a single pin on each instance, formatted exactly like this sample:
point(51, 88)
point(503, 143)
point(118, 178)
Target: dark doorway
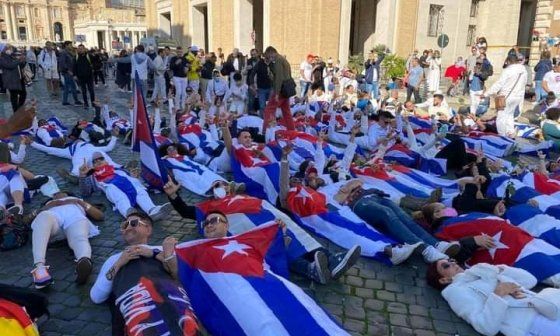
point(58, 32)
point(258, 23)
point(363, 24)
point(101, 39)
point(526, 24)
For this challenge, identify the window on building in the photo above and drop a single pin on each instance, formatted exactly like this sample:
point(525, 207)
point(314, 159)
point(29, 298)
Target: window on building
point(435, 20)
point(56, 12)
point(471, 35)
point(22, 32)
point(36, 12)
point(3, 35)
point(474, 8)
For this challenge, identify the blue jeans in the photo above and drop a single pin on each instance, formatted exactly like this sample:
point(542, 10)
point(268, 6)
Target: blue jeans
point(69, 86)
point(540, 94)
point(304, 87)
point(390, 218)
point(373, 89)
point(263, 95)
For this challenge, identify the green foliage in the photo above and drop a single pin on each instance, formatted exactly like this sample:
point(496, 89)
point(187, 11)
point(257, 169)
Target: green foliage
point(380, 49)
point(394, 66)
point(356, 63)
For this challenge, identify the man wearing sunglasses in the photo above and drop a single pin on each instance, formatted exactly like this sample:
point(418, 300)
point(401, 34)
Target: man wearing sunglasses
point(142, 280)
point(121, 189)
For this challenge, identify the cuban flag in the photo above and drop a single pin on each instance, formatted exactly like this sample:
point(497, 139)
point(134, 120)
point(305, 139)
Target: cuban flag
point(526, 148)
point(523, 193)
point(233, 292)
point(535, 222)
point(527, 131)
point(493, 144)
point(424, 181)
point(246, 212)
point(425, 125)
point(407, 157)
point(143, 141)
point(513, 246)
point(260, 175)
point(541, 183)
point(342, 226)
point(380, 179)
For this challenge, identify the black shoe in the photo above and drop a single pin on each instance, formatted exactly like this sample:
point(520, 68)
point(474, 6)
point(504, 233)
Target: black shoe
point(83, 270)
point(66, 104)
point(341, 262)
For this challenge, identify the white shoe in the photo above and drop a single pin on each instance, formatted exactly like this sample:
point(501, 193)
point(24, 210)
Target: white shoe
point(431, 254)
point(451, 249)
point(401, 253)
point(159, 212)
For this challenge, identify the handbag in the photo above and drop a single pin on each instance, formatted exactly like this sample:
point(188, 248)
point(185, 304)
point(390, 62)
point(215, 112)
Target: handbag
point(547, 303)
point(288, 88)
point(500, 100)
point(27, 74)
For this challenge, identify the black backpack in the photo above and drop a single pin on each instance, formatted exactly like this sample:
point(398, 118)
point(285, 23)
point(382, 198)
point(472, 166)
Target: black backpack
point(13, 233)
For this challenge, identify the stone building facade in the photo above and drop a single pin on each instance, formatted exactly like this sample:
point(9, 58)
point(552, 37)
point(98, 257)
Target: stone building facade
point(341, 28)
point(33, 22)
point(109, 24)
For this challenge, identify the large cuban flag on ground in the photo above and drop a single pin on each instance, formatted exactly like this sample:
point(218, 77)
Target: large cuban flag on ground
point(405, 156)
point(541, 183)
point(340, 226)
point(513, 246)
point(143, 141)
point(535, 222)
point(245, 213)
point(234, 293)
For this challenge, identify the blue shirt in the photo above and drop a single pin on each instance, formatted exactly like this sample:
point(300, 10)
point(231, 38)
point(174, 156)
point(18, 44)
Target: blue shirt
point(415, 75)
point(475, 84)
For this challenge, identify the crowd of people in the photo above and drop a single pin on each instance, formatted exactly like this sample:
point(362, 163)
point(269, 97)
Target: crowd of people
point(474, 194)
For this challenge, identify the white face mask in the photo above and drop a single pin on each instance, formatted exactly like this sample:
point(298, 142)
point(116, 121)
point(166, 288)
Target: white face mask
point(9, 52)
point(219, 192)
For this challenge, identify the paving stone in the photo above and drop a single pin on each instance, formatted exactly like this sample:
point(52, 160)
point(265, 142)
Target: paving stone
point(374, 284)
point(354, 325)
point(364, 292)
point(354, 281)
point(399, 320)
point(399, 331)
point(374, 304)
point(386, 296)
point(420, 322)
point(393, 287)
point(395, 307)
point(424, 333)
point(418, 310)
point(377, 329)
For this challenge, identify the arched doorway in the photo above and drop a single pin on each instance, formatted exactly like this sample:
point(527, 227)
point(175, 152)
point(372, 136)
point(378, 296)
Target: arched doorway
point(58, 32)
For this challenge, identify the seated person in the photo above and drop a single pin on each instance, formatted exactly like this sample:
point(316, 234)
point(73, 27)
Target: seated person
point(492, 299)
point(236, 95)
point(144, 276)
point(122, 190)
point(68, 217)
point(437, 106)
point(12, 182)
point(551, 126)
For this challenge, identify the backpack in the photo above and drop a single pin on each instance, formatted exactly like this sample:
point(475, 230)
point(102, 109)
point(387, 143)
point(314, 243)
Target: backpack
point(486, 71)
point(13, 233)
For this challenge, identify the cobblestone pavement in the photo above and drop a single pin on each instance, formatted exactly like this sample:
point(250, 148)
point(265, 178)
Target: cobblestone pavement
point(372, 299)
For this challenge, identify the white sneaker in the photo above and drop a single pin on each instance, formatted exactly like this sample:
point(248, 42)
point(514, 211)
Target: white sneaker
point(451, 249)
point(401, 253)
point(431, 254)
point(159, 212)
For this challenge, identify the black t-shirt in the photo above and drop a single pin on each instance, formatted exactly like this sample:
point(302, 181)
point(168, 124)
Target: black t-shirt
point(151, 302)
point(263, 75)
point(179, 66)
point(317, 75)
point(207, 68)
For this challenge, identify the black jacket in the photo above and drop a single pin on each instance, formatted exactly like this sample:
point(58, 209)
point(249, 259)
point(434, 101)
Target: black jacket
point(261, 75)
point(82, 66)
point(184, 210)
point(11, 72)
point(179, 66)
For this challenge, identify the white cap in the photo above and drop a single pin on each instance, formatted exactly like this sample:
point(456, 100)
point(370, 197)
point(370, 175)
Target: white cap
point(194, 48)
point(50, 188)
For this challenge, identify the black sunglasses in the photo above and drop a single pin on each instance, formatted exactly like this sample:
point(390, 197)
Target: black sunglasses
point(98, 159)
point(214, 220)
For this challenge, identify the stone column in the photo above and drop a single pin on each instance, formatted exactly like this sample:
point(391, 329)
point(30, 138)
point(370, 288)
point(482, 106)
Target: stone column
point(344, 37)
point(9, 21)
point(543, 20)
point(30, 25)
point(14, 22)
point(48, 23)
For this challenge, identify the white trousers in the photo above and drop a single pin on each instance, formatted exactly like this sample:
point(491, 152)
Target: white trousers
point(121, 201)
point(8, 187)
point(194, 84)
point(45, 226)
point(180, 91)
point(475, 100)
point(159, 89)
point(221, 164)
point(505, 120)
point(195, 182)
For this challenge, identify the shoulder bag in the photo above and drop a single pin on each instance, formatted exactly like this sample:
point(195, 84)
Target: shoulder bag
point(500, 100)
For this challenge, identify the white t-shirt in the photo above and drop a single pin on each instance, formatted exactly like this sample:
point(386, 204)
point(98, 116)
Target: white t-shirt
point(552, 79)
point(307, 71)
point(68, 214)
point(250, 121)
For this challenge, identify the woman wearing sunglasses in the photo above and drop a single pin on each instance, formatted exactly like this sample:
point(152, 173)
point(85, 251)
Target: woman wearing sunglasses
point(494, 298)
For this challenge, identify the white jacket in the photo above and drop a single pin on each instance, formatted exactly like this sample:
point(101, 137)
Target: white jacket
point(48, 60)
point(471, 296)
point(507, 82)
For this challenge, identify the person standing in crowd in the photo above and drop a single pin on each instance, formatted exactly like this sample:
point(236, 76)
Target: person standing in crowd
point(551, 81)
point(206, 72)
point(124, 69)
point(47, 61)
point(511, 84)
point(415, 77)
point(373, 73)
point(83, 70)
point(237, 60)
point(248, 72)
point(31, 59)
point(470, 66)
point(282, 75)
point(140, 64)
point(180, 68)
point(476, 86)
point(66, 67)
point(305, 72)
point(434, 71)
point(193, 75)
point(317, 74)
point(159, 77)
point(12, 77)
point(261, 82)
point(97, 65)
point(412, 56)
